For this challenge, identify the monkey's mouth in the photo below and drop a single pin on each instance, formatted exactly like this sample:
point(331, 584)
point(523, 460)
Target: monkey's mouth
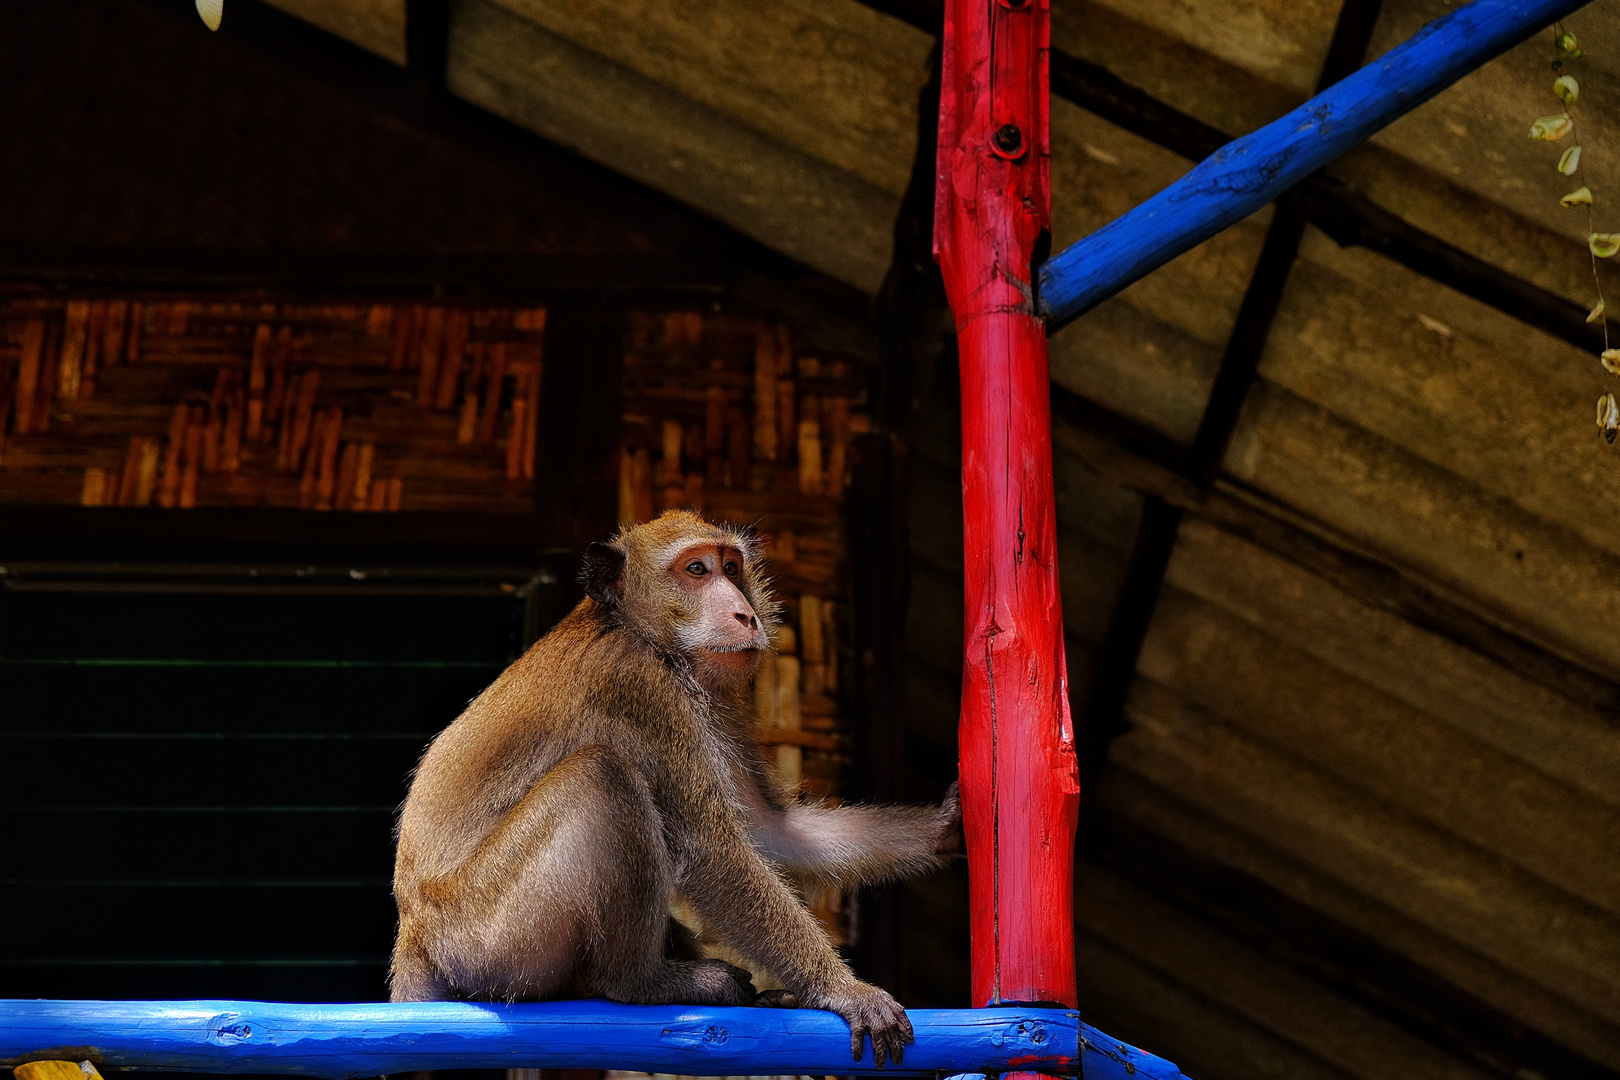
point(748, 647)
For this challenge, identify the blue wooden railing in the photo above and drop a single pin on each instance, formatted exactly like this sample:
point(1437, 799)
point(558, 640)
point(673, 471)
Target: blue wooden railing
point(1248, 173)
point(367, 1040)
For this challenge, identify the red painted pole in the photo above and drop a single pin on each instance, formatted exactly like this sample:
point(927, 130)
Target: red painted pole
point(1020, 784)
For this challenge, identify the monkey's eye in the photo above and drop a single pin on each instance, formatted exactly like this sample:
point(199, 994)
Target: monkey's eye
point(696, 568)
point(731, 568)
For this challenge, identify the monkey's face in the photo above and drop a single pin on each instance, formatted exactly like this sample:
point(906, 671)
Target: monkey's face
point(715, 624)
point(690, 587)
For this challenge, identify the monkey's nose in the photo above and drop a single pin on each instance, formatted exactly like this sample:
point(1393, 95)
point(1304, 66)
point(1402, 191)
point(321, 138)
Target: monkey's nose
point(746, 620)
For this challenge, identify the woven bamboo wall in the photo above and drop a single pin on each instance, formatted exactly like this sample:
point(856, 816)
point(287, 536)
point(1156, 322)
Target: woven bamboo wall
point(720, 415)
point(180, 402)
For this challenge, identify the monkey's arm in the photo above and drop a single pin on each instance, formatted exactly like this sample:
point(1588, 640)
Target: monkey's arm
point(858, 845)
point(748, 904)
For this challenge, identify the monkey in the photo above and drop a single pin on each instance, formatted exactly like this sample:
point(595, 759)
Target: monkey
point(611, 769)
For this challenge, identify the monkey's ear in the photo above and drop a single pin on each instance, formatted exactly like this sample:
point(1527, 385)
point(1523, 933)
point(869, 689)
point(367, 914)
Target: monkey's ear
point(603, 574)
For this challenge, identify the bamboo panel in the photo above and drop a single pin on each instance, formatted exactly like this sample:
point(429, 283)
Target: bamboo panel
point(179, 402)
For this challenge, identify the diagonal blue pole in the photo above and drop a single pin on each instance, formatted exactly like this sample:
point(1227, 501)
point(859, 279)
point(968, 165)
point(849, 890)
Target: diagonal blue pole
point(347, 1041)
point(1248, 173)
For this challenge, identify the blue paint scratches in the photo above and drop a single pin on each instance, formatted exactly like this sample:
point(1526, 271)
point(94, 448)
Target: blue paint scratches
point(343, 1041)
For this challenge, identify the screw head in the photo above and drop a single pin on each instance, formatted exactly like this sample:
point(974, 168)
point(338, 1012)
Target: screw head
point(1008, 139)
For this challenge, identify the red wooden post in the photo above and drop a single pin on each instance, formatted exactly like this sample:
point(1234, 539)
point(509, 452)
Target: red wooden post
point(1020, 784)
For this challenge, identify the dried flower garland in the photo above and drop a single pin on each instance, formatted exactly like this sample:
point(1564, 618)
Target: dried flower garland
point(1567, 50)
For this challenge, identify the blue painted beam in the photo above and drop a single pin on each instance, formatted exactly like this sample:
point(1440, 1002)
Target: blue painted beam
point(341, 1041)
point(1248, 173)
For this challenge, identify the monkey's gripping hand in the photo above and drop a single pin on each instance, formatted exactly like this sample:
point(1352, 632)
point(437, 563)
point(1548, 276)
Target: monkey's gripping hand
point(869, 1011)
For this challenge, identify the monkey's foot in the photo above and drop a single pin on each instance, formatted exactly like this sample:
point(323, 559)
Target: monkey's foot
point(777, 999)
point(869, 1012)
point(712, 982)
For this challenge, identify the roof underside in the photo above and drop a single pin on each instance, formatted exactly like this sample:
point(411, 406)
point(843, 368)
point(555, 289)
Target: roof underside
point(1366, 808)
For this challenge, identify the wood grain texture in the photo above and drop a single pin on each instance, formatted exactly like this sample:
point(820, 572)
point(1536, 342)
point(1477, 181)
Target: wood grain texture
point(835, 80)
point(1527, 573)
point(1354, 730)
point(1552, 1011)
point(1456, 135)
point(1020, 784)
point(1457, 890)
point(1152, 351)
point(1430, 672)
point(377, 26)
point(789, 199)
point(1244, 1007)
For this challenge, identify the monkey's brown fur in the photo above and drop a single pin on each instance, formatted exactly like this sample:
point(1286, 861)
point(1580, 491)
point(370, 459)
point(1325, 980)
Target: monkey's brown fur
point(614, 765)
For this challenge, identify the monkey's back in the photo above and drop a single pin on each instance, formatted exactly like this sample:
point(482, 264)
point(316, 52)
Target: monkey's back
point(584, 682)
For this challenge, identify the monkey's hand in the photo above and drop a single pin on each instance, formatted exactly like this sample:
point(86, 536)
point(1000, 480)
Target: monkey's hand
point(869, 1011)
point(950, 811)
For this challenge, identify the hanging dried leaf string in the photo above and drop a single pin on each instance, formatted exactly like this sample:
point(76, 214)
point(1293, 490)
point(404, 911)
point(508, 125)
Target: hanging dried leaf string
point(1566, 50)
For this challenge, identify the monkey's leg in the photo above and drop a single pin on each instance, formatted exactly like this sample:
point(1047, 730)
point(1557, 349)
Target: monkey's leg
point(683, 944)
point(412, 976)
point(570, 896)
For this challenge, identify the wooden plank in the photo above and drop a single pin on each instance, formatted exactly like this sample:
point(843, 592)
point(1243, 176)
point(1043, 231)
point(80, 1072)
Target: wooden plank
point(1517, 174)
point(1381, 852)
point(1280, 42)
point(1528, 273)
point(1264, 295)
point(1139, 460)
point(1427, 669)
point(1283, 1013)
point(1151, 352)
point(1103, 714)
point(1468, 390)
point(1534, 577)
point(789, 199)
point(835, 80)
point(377, 26)
point(1311, 919)
point(1254, 678)
point(1185, 93)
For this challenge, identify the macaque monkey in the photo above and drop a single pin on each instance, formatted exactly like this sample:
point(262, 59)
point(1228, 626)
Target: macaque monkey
point(613, 767)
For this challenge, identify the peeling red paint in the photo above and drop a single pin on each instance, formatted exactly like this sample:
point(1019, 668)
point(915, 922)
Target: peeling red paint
point(1052, 1063)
